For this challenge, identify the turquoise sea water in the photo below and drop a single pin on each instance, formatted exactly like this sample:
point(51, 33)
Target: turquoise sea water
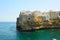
point(8, 32)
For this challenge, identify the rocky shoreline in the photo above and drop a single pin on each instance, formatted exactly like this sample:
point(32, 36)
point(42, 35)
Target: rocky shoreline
point(33, 29)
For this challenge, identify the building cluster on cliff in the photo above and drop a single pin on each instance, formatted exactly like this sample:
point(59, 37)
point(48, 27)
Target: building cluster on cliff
point(28, 15)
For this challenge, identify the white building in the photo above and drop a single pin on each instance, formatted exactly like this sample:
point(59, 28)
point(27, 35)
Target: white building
point(53, 14)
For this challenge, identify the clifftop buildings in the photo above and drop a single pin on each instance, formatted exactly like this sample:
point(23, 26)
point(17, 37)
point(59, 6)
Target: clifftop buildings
point(42, 15)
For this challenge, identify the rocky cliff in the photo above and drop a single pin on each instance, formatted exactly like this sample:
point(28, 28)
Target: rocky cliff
point(35, 20)
point(28, 21)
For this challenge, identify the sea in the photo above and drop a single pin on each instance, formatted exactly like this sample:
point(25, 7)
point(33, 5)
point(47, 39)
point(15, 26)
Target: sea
point(8, 32)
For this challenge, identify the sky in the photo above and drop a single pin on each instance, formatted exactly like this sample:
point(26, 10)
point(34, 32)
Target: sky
point(10, 9)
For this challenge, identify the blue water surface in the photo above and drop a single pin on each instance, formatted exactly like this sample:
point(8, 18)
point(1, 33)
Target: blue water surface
point(8, 32)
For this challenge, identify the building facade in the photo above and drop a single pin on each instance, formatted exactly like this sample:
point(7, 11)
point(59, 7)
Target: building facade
point(53, 14)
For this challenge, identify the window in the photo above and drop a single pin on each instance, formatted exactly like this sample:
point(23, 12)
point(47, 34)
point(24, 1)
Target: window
point(59, 13)
point(28, 18)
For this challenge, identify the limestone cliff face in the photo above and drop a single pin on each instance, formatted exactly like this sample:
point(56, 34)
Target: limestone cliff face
point(27, 21)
